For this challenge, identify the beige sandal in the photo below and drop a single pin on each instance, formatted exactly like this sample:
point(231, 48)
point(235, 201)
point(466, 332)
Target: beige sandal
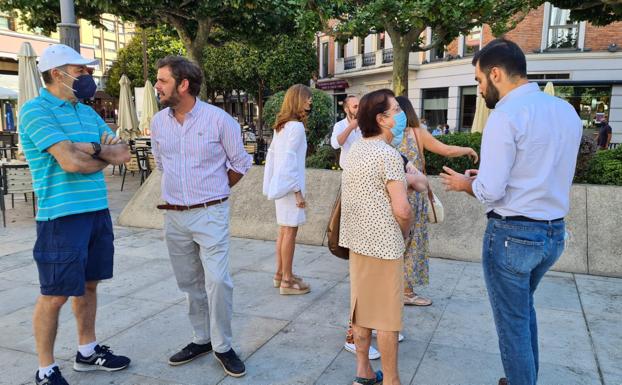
point(276, 280)
point(294, 287)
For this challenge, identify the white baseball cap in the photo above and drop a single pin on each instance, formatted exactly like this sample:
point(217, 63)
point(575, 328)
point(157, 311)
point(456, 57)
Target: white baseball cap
point(58, 55)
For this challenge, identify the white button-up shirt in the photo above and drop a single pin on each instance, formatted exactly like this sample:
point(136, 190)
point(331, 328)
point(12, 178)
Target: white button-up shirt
point(355, 135)
point(528, 155)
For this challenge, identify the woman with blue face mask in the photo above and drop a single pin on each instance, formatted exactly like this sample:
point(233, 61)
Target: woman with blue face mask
point(416, 269)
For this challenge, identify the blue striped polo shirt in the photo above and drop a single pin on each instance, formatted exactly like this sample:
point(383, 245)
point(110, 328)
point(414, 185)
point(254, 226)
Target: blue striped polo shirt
point(45, 121)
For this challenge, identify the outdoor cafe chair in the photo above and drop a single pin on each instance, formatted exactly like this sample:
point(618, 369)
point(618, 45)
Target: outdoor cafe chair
point(16, 179)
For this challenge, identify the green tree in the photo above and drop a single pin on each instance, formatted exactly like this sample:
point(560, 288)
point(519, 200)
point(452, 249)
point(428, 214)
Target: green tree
point(320, 120)
point(406, 20)
point(280, 62)
point(261, 68)
point(597, 12)
point(160, 43)
point(197, 22)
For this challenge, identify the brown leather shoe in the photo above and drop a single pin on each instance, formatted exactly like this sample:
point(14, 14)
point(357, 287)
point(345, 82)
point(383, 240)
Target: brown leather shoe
point(503, 381)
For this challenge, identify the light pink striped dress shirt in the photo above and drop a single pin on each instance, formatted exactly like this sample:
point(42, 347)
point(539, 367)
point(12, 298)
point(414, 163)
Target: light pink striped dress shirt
point(194, 157)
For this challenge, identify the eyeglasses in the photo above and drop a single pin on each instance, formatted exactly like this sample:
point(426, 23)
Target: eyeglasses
point(393, 111)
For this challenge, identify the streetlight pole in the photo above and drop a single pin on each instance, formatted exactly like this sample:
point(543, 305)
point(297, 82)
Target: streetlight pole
point(68, 29)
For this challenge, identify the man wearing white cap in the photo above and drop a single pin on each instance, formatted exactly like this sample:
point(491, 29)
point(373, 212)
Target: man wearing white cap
point(67, 144)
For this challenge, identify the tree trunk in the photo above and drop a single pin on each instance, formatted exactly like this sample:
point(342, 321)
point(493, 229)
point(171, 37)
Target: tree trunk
point(402, 44)
point(400, 69)
point(194, 43)
point(196, 55)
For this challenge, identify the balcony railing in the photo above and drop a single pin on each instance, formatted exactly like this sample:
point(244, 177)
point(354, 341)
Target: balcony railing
point(349, 63)
point(387, 55)
point(369, 59)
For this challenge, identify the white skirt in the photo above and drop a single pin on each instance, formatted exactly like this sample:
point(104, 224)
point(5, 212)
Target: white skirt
point(287, 213)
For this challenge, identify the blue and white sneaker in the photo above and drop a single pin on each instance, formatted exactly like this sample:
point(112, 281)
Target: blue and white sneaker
point(55, 378)
point(102, 359)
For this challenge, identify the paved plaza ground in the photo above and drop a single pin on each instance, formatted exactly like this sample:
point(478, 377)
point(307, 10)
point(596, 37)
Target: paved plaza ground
point(299, 339)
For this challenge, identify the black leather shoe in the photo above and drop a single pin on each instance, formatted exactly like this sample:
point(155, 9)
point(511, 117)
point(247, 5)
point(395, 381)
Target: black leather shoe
point(189, 353)
point(231, 363)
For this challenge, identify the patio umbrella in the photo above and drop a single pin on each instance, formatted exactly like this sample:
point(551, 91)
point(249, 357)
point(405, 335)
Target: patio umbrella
point(128, 120)
point(29, 77)
point(481, 115)
point(549, 89)
point(29, 80)
point(150, 107)
point(7, 93)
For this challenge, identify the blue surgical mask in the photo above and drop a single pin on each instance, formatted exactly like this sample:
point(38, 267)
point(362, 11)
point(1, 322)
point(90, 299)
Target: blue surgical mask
point(83, 86)
point(398, 128)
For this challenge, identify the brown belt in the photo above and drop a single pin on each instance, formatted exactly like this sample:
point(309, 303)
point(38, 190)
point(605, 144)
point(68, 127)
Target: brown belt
point(184, 208)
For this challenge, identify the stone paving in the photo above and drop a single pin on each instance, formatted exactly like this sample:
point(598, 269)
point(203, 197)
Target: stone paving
point(299, 339)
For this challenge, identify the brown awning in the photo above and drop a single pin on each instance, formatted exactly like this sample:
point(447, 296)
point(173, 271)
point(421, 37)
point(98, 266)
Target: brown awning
point(332, 84)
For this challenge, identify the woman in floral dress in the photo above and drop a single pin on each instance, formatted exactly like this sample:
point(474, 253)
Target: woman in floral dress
point(416, 268)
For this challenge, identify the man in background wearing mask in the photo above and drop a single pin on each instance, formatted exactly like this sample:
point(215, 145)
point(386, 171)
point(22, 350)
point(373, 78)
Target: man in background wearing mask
point(346, 131)
point(67, 144)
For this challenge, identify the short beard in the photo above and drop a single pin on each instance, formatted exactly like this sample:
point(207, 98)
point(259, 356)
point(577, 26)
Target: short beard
point(492, 94)
point(172, 101)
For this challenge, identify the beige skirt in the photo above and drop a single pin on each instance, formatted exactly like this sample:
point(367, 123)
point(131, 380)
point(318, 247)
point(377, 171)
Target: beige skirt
point(376, 292)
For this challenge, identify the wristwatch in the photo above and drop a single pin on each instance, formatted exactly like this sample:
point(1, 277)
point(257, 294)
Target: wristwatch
point(97, 148)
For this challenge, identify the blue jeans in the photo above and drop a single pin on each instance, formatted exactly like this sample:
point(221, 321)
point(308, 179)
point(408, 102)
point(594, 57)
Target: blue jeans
point(515, 257)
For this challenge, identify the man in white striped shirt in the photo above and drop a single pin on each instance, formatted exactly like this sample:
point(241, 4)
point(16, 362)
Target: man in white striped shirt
point(198, 148)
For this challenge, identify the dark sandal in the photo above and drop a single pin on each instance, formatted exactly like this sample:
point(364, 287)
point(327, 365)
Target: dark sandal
point(370, 381)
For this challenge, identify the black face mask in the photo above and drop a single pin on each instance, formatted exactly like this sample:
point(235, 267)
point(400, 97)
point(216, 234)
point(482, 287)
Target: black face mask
point(83, 86)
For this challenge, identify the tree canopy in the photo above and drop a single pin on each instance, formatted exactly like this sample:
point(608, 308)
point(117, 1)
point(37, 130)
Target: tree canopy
point(405, 21)
point(597, 12)
point(160, 43)
point(197, 22)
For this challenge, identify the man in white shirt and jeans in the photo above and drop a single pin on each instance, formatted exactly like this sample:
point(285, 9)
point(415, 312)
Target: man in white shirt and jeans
point(528, 157)
point(346, 131)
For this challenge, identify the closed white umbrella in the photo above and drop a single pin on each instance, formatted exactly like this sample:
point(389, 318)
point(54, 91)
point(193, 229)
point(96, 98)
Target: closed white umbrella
point(29, 79)
point(481, 115)
point(549, 89)
point(150, 107)
point(29, 76)
point(128, 120)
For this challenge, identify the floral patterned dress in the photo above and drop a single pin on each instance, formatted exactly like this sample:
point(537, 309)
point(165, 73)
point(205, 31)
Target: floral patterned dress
point(416, 268)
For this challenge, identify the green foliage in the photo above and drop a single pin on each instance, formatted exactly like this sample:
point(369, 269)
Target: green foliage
point(192, 18)
point(435, 163)
point(325, 157)
point(160, 43)
point(320, 120)
point(406, 20)
point(275, 64)
point(597, 12)
point(605, 167)
point(198, 23)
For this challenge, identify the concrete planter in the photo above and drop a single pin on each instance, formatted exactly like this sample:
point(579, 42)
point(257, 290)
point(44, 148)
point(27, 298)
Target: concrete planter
point(594, 246)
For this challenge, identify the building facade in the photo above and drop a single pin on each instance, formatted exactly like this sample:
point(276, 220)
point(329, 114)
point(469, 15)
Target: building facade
point(583, 62)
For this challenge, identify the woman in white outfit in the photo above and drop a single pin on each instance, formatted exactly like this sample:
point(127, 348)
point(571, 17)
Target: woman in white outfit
point(284, 181)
